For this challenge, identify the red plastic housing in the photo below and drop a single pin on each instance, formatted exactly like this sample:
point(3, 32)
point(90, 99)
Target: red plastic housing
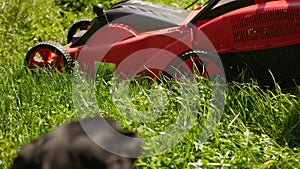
point(260, 26)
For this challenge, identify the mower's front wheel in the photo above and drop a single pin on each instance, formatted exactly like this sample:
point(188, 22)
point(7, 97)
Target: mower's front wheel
point(49, 54)
point(78, 26)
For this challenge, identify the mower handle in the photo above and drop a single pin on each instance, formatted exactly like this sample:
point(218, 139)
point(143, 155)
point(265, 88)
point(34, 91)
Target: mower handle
point(193, 3)
point(203, 11)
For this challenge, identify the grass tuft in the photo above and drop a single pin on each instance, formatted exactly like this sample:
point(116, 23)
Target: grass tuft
point(258, 129)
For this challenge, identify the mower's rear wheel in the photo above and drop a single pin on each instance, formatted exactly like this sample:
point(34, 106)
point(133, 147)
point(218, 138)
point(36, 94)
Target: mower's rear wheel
point(78, 26)
point(203, 63)
point(49, 54)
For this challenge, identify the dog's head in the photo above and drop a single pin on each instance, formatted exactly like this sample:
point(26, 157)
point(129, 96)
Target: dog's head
point(78, 145)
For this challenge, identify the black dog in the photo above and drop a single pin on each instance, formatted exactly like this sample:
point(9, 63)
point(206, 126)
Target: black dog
point(76, 145)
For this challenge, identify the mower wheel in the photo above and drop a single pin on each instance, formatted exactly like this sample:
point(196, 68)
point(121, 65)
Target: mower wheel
point(78, 26)
point(203, 63)
point(49, 54)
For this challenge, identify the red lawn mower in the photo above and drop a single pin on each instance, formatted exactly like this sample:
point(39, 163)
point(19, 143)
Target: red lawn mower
point(260, 37)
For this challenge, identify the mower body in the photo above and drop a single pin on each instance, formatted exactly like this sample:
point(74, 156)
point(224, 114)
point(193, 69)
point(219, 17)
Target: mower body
point(260, 37)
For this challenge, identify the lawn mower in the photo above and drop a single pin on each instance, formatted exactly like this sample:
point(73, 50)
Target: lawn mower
point(259, 37)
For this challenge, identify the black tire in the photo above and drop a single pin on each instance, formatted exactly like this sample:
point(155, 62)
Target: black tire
point(78, 26)
point(201, 64)
point(61, 60)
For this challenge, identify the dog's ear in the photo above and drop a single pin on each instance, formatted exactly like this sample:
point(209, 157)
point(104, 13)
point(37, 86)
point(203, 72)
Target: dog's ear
point(134, 147)
point(109, 135)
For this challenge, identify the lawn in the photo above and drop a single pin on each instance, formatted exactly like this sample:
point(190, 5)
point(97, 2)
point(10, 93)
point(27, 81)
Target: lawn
point(258, 128)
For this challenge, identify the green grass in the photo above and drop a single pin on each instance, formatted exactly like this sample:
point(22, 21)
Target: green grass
point(258, 129)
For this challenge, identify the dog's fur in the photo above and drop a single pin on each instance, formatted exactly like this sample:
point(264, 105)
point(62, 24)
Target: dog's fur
point(69, 147)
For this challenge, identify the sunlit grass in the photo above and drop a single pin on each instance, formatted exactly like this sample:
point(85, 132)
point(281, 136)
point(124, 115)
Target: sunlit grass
point(258, 129)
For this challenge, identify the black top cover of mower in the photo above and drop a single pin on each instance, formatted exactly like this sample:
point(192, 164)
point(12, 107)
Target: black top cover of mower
point(146, 16)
